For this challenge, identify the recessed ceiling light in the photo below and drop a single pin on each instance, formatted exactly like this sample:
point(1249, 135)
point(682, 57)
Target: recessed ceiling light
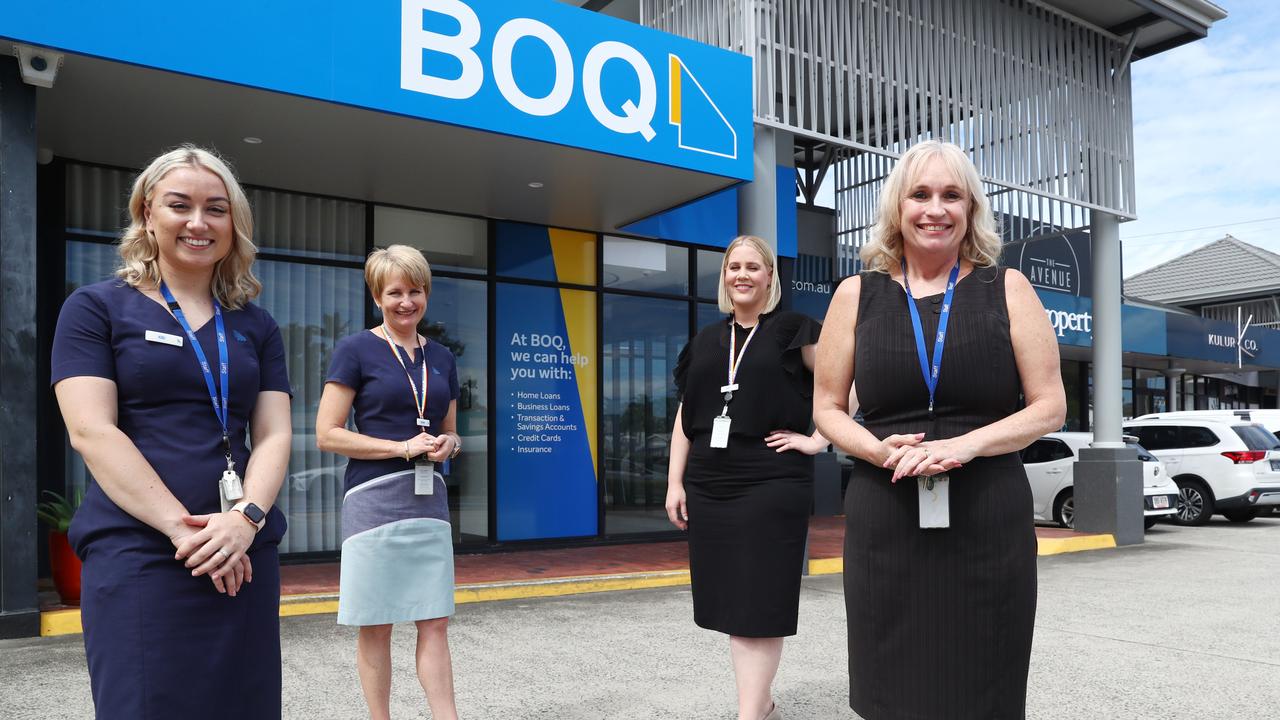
point(253, 140)
point(535, 185)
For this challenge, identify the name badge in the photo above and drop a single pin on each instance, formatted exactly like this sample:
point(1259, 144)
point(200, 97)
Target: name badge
point(166, 338)
point(935, 501)
point(424, 423)
point(424, 478)
point(720, 432)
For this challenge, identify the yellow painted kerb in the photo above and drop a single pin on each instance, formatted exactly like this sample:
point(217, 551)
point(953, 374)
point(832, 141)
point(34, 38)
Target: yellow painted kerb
point(1056, 546)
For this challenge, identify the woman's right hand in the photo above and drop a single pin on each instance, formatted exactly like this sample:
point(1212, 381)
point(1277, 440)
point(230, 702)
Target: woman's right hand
point(892, 448)
point(421, 444)
point(677, 511)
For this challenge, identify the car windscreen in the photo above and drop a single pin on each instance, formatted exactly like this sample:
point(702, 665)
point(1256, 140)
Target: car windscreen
point(1143, 455)
point(1256, 437)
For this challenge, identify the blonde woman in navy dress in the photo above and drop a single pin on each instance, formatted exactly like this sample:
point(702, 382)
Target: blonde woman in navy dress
point(177, 531)
point(740, 480)
point(941, 604)
point(397, 546)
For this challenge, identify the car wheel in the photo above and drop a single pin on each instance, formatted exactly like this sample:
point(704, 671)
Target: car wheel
point(1242, 515)
point(1064, 509)
point(1149, 522)
point(1195, 503)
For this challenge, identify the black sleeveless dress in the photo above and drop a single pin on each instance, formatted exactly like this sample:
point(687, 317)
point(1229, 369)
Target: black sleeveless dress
point(748, 504)
point(940, 621)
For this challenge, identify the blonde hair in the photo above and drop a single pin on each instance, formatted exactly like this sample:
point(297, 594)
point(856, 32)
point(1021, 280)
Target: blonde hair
point(981, 244)
point(770, 261)
point(233, 280)
point(403, 260)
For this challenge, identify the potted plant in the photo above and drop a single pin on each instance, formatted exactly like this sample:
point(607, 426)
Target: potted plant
point(56, 511)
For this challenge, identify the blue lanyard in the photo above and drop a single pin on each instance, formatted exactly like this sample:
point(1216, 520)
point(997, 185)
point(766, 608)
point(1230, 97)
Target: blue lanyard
point(931, 372)
point(219, 405)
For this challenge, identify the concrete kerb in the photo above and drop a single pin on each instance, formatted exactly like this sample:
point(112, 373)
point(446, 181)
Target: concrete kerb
point(66, 621)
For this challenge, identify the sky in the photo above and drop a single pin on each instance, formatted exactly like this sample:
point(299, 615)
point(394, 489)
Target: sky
point(1207, 140)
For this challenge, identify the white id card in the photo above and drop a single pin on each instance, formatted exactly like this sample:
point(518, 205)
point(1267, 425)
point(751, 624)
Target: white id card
point(935, 502)
point(424, 478)
point(165, 338)
point(720, 432)
point(230, 489)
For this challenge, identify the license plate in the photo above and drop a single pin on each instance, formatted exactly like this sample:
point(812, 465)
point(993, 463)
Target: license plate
point(1159, 502)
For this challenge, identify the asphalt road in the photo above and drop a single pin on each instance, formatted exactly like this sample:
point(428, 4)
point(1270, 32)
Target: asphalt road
point(1183, 626)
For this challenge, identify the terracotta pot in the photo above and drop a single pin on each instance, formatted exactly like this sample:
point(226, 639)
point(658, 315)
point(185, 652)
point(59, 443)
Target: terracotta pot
point(66, 568)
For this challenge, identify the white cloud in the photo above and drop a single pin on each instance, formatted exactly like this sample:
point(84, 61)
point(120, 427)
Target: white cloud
point(1207, 139)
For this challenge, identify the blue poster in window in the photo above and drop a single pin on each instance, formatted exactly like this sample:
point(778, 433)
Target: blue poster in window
point(545, 395)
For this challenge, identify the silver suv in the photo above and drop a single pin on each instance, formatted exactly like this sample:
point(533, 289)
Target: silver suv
point(1224, 467)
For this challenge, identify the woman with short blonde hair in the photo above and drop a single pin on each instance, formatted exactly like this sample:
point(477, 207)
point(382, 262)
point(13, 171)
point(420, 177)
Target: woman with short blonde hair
point(397, 542)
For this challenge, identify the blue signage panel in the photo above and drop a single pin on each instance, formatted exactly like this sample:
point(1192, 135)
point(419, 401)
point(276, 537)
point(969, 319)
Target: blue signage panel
point(1224, 342)
point(545, 394)
point(538, 69)
point(1142, 329)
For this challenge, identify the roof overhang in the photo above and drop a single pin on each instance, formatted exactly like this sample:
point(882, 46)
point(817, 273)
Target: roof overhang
point(1154, 26)
point(117, 114)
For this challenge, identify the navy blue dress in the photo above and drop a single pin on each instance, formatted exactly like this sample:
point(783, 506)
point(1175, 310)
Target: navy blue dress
point(161, 643)
point(397, 546)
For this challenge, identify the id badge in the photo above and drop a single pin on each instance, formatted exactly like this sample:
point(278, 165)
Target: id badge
point(935, 501)
point(720, 432)
point(230, 489)
point(424, 477)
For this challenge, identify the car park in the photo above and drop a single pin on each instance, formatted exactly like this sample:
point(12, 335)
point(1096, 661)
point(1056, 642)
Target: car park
point(1050, 464)
point(1221, 466)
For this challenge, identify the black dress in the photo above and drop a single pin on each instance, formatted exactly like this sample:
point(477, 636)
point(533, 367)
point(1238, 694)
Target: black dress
point(940, 621)
point(748, 504)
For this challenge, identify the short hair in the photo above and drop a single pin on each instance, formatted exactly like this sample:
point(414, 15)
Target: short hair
point(981, 244)
point(233, 281)
point(403, 260)
point(770, 261)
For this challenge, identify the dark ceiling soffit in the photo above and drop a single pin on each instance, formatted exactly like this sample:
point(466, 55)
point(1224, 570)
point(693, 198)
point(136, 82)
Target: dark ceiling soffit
point(1136, 23)
point(1182, 21)
point(1166, 45)
point(596, 5)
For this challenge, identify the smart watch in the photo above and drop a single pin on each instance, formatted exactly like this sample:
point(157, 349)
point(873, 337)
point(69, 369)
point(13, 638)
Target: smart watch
point(252, 513)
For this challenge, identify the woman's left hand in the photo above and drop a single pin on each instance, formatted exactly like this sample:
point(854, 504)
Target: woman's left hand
point(442, 449)
point(783, 440)
point(932, 457)
point(217, 548)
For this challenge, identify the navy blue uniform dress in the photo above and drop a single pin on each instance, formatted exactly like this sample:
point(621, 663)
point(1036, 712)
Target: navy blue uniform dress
point(397, 546)
point(161, 643)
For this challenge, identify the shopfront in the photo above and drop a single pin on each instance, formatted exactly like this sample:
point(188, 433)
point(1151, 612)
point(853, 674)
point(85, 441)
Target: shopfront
point(531, 150)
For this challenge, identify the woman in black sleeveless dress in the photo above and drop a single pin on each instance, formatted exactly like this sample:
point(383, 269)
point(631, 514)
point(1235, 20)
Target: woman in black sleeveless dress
point(940, 619)
point(745, 502)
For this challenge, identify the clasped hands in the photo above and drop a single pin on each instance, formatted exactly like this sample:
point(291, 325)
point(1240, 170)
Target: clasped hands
point(216, 545)
point(437, 448)
point(910, 455)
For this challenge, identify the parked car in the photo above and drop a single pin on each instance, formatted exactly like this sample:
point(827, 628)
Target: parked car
point(1269, 419)
point(1227, 467)
point(1050, 463)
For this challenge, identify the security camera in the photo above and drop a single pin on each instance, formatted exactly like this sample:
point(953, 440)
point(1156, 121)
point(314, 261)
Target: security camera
point(39, 66)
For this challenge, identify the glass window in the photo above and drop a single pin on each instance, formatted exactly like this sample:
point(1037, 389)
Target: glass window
point(449, 242)
point(647, 266)
point(1256, 437)
point(642, 339)
point(709, 313)
point(457, 317)
point(1155, 437)
point(709, 263)
point(307, 226)
point(98, 200)
point(315, 306)
point(1194, 436)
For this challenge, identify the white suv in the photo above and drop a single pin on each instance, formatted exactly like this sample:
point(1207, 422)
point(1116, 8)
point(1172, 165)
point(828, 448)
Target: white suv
point(1050, 464)
point(1220, 466)
point(1269, 419)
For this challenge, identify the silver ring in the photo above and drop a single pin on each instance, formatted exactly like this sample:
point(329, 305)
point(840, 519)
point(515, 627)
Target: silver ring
point(223, 552)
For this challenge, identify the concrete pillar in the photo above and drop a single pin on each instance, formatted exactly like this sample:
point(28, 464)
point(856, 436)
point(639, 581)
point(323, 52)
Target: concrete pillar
point(19, 606)
point(767, 205)
point(1108, 476)
point(1171, 377)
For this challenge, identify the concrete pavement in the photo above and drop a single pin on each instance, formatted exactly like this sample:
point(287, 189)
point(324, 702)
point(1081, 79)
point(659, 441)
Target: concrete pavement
point(1180, 627)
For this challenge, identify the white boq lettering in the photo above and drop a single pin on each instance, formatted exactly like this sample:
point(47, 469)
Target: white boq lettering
point(503, 45)
point(634, 119)
point(413, 40)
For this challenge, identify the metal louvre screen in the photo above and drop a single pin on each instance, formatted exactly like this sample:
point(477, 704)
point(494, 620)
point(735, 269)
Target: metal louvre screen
point(1039, 99)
